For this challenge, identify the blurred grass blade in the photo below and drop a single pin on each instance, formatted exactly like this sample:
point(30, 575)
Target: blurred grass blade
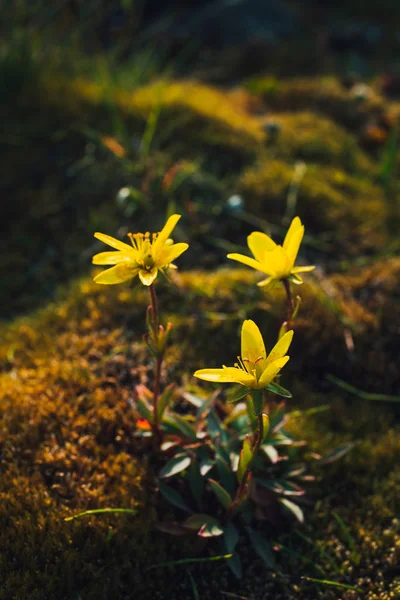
point(333, 583)
point(102, 511)
point(360, 393)
point(188, 561)
point(195, 589)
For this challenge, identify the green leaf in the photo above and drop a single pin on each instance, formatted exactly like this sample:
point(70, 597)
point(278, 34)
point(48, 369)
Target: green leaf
point(262, 547)
point(231, 538)
point(284, 488)
point(206, 525)
point(165, 399)
point(206, 464)
point(265, 419)
point(239, 393)
point(226, 475)
point(196, 481)
point(336, 453)
point(271, 452)
point(211, 530)
point(245, 458)
point(279, 390)
point(171, 527)
point(144, 409)
point(179, 463)
point(213, 425)
point(173, 497)
point(180, 425)
point(197, 521)
point(293, 508)
point(194, 400)
point(221, 494)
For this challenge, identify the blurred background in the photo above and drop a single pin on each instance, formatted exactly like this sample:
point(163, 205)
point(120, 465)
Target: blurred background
point(117, 111)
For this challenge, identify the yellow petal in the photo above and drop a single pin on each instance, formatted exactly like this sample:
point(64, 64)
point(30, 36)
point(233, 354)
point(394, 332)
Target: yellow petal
point(276, 263)
point(280, 348)
point(117, 274)
point(165, 233)
point(302, 269)
point(252, 342)
point(246, 260)
point(293, 240)
point(117, 244)
point(110, 258)
point(226, 375)
point(171, 253)
point(272, 371)
point(259, 243)
point(266, 282)
point(147, 277)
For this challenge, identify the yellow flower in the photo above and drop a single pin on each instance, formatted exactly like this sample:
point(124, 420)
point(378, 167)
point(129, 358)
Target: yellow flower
point(255, 369)
point(148, 254)
point(274, 260)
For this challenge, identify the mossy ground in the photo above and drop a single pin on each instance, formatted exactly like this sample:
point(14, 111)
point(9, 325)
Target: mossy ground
point(67, 424)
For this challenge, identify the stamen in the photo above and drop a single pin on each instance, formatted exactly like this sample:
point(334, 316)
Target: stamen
point(258, 359)
point(241, 363)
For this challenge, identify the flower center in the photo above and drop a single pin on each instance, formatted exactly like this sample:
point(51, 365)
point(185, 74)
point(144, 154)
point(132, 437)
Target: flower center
point(142, 243)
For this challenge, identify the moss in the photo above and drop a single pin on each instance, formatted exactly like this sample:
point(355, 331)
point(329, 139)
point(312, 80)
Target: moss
point(352, 212)
point(317, 139)
point(67, 443)
point(323, 95)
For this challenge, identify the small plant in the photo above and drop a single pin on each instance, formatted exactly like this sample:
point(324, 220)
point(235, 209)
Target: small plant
point(148, 255)
point(228, 465)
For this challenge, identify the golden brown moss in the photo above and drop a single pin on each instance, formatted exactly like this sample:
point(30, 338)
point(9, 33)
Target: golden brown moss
point(316, 139)
point(67, 443)
point(323, 95)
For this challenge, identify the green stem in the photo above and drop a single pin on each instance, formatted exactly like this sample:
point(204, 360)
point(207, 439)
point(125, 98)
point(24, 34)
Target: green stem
point(289, 302)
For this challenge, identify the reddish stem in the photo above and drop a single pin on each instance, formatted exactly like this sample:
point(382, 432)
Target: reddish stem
point(159, 359)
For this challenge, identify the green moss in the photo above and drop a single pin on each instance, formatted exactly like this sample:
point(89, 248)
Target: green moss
point(351, 212)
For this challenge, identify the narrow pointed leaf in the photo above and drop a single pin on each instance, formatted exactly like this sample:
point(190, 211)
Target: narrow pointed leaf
point(180, 425)
point(262, 547)
point(293, 508)
point(245, 458)
point(239, 394)
point(175, 465)
point(221, 494)
point(265, 419)
point(197, 521)
point(231, 538)
point(211, 530)
point(271, 452)
point(165, 399)
point(279, 390)
point(144, 409)
point(173, 497)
